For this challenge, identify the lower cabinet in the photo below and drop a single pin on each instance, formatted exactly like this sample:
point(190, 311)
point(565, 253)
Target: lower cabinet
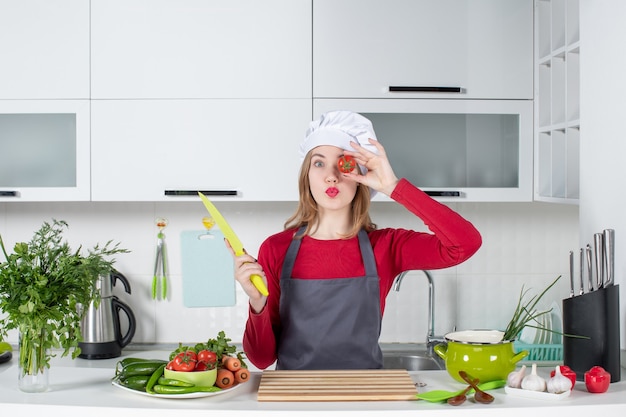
point(167, 150)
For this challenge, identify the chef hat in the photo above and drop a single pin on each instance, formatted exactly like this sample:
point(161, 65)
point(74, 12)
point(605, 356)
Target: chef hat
point(338, 128)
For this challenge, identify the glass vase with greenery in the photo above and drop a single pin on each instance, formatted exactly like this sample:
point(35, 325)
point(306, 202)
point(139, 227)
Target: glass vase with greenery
point(41, 285)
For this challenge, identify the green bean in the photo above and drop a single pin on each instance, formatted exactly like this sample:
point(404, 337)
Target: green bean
point(169, 389)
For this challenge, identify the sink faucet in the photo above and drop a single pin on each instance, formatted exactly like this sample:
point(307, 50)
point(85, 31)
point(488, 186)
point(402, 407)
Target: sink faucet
point(431, 339)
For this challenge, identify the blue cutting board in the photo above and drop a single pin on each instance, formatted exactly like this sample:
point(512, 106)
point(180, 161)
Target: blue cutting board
point(207, 267)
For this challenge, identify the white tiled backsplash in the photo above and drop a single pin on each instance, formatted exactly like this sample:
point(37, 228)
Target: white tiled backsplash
point(523, 244)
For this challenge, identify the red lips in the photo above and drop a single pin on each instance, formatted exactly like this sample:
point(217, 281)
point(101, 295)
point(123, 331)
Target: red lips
point(332, 192)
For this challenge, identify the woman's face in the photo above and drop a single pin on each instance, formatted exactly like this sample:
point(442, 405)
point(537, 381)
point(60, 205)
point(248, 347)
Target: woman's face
point(328, 187)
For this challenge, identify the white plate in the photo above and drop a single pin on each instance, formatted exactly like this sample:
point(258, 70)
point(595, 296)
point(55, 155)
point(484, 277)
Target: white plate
point(557, 323)
point(177, 396)
point(525, 393)
point(528, 335)
point(546, 335)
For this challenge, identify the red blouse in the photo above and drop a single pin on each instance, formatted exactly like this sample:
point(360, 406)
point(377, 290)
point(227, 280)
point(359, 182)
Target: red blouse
point(453, 240)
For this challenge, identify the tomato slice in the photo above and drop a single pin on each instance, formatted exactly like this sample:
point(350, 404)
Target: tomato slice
point(346, 164)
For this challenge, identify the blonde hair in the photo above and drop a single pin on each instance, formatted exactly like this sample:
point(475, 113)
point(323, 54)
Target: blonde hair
point(307, 213)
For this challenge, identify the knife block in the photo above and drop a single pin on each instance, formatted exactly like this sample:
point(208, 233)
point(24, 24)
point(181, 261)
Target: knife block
point(595, 315)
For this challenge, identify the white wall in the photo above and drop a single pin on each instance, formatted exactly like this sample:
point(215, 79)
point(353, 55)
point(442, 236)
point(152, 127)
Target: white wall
point(524, 244)
point(603, 139)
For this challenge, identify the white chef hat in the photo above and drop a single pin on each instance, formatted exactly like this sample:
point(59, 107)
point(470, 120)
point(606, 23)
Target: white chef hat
point(338, 128)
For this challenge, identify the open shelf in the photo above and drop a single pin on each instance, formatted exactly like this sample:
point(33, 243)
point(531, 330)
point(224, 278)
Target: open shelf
point(557, 101)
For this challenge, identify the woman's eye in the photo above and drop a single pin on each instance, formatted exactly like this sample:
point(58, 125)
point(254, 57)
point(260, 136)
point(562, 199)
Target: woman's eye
point(318, 164)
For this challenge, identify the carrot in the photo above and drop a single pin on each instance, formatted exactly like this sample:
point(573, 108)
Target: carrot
point(225, 378)
point(232, 364)
point(242, 375)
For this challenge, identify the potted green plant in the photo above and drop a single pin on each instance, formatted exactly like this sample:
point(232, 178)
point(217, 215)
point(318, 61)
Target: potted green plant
point(41, 285)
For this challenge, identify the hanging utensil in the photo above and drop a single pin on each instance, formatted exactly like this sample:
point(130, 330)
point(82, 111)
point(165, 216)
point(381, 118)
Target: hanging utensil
point(159, 279)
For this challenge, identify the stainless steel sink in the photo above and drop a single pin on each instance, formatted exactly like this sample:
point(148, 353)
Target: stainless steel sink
point(411, 361)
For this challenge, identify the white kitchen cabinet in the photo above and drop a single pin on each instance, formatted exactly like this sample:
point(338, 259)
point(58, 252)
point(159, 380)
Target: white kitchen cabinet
point(185, 49)
point(44, 150)
point(235, 150)
point(557, 101)
point(455, 150)
point(484, 48)
point(44, 49)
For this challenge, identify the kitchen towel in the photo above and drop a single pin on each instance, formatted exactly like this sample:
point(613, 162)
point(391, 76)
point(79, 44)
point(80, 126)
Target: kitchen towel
point(207, 267)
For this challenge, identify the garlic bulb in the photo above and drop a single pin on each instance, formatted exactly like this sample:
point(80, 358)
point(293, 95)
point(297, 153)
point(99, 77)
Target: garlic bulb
point(534, 382)
point(514, 380)
point(559, 383)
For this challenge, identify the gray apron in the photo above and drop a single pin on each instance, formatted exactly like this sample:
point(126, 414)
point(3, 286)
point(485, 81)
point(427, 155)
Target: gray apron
point(330, 323)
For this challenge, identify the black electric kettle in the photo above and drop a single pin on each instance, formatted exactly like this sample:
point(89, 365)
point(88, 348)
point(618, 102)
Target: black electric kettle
point(100, 327)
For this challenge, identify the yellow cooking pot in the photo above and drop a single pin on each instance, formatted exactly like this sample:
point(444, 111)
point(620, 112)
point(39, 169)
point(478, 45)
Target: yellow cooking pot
point(481, 353)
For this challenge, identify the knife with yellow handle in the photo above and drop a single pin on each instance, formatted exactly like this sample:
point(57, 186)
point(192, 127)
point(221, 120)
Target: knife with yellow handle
point(232, 238)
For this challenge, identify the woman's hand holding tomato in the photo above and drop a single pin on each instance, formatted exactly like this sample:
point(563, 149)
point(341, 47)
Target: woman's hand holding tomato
point(380, 175)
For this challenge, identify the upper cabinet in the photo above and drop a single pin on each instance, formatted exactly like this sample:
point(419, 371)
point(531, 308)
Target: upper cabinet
point(44, 150)
point(189, 49)
point(199, 95)
point(468, 49)
point(454, 150)
point(167, 150)
point(44, 49)
point(557, 101)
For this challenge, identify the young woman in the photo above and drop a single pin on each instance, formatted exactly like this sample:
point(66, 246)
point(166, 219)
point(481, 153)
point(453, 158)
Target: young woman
point(330, 270)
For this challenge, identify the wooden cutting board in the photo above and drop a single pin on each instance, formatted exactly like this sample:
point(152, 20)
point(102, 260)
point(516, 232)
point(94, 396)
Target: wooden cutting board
point(339, 385)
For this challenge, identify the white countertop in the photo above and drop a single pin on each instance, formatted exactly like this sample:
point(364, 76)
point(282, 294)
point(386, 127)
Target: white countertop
point(83, 388)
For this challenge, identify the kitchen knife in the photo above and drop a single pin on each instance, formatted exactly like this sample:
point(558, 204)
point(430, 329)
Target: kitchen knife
point(232, 238)
point(589, 271)
point(598, 243)
point(581, 291)
point(571, 273)
point(609, 252)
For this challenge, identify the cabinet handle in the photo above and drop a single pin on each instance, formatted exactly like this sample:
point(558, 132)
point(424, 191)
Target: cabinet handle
point(194, 193)
point(4, 193)
point(443, 193)
point(418, 89)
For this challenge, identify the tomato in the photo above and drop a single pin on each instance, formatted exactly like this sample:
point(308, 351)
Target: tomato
point(185, 361)
point(566, 372)
point(170, 365)
point(597, 380)
point(346, 164)
point(201, 366)
point(207, 356)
